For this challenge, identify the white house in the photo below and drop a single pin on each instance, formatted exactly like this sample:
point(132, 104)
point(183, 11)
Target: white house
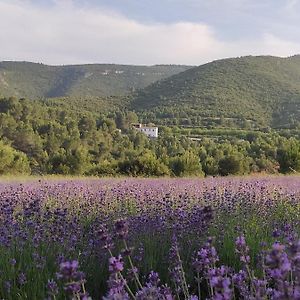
point(150, 131)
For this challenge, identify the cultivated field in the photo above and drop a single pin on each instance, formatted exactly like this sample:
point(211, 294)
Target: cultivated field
point(216, 238)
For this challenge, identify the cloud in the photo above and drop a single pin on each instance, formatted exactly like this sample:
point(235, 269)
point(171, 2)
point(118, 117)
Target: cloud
point(267, 44)
point(65, 33)
point(291, 4)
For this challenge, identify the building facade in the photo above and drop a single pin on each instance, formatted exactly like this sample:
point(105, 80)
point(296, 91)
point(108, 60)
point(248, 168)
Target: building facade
point(150, 131)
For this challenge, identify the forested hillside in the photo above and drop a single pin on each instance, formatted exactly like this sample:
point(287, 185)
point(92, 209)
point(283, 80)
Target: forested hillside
point(43, 138)
point(246, 91)
point(233, 116)
point(31, 80)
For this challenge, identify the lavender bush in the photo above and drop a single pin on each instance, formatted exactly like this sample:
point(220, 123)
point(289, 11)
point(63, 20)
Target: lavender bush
point(228, 238)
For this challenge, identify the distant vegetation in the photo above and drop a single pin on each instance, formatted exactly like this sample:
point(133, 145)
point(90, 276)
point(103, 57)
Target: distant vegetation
point(233, 116)
point(31, 80)
point(247, 92)
point(43, 138)
point(255, 100)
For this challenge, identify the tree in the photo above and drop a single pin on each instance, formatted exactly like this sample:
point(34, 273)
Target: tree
point(143, 165)
point(289, 157)
point(233, 164)
point(186, 164)
point(13, 161)
point(78, 161)
point(210, 166)
point(86, 125)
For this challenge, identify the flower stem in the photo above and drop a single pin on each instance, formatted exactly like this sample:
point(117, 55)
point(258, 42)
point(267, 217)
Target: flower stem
point(133, 268)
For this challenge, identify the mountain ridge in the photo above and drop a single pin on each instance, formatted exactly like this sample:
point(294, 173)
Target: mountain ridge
point(264, 89)
point(249, 91)
point(37, 80)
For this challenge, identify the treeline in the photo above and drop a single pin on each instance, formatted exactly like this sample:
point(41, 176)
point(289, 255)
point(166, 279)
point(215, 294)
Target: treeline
point(285, 117)
point(40, 138)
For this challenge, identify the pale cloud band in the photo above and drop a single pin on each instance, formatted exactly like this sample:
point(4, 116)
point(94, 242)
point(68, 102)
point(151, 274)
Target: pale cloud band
point(66, 34)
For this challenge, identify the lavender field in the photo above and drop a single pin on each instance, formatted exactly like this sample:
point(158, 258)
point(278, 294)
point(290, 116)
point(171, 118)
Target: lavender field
point(216, 238)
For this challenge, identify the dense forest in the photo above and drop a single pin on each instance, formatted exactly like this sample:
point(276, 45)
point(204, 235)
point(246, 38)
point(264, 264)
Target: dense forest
point(247, 92)
point(32, 80)
point(43, 138)
point(241, 92)
point(232, 116)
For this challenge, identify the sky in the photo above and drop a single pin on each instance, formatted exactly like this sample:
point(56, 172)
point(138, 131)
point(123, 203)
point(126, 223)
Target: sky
point(146, 32)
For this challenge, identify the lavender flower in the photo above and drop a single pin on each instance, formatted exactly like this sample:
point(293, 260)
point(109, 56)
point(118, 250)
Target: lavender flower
point(242, 249)
point(73, 278)
point(22, 278)
point(205, 258)
point(121, 229)
point(52, 288)
point(220, 283)
point(116, 264)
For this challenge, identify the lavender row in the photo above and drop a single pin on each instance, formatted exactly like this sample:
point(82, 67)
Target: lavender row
point(149, 239)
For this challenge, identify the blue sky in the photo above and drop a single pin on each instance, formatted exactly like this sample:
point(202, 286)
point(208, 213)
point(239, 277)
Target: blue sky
point(146, 31)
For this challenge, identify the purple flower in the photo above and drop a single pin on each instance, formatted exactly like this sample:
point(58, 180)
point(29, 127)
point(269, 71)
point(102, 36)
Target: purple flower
point(242, 249)
point(276, 233)
point(205, 258)
point(153, 279)
point(22, 278)
point(7, 286)
point(240, 281)
point(13, 261)
point(68, 269)
point(121, 229)
point(152, 290)
point(221, 283)
point(116, 289)
point(73, 278)
point(72, 287)
point(116, 264)
point(52, 287)
point(278, 262)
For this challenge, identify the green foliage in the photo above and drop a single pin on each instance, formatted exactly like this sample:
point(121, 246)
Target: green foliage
point(187, 164)
point(232, 164)
point(144, 165)
point(210, 166)
point(105, 168)
point(289, 157)
point(12, 161)
point(23, 79)
point(247, 92)
point(41, 138)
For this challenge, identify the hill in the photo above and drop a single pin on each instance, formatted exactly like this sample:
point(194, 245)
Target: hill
point(32, 80)
point(245, 92)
